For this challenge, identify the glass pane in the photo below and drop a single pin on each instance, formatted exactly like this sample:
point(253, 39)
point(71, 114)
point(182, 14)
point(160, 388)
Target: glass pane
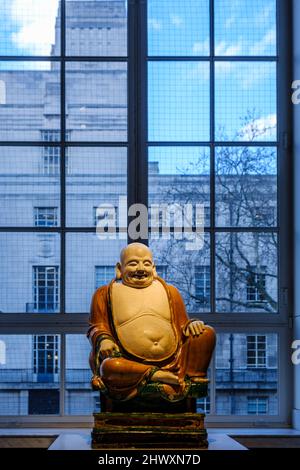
point(177, 28)
point(30, 192)
point(96, 178)
point(246, 186)
point(187, 265)
point(246, 27)
point(96, 96)
point(203, 405)
point(27, 28)
point(79, 398)
point(180, 175)
point(245, 101)
point(84, 254)
point(178, 100)
point(29, 272)
point(30, 95)
point(97, 28)
point(238, 384)
point(246, 272)
point(29, 374)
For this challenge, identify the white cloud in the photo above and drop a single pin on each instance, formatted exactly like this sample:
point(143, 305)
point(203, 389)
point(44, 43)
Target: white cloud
point(222, 48)
point(176, 21)
point(35, 24)
point(261, 129)
point(201, 48)
point(154, 24)
point(262, 46)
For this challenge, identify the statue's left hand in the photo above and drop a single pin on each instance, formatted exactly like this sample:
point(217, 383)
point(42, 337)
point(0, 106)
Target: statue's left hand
point(195, 328)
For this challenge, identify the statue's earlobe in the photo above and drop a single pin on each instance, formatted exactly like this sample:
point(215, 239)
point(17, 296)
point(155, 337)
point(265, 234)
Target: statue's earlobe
point(154, 271)
point(118, 271)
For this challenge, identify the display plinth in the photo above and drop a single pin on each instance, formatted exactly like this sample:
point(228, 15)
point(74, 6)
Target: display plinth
point(151, 430)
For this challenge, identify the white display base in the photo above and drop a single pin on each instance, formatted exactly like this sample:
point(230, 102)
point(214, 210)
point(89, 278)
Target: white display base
point(82, 441)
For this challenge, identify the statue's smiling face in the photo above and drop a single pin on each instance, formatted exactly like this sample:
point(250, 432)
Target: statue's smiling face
point(137, 268)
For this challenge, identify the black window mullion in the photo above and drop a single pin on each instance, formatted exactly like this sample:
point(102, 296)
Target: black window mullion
point(62, 156)
point(137, 162)
point(212, 158)
point(284, 158)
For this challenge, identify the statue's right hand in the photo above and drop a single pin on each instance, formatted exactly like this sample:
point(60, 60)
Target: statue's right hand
point(108, 348)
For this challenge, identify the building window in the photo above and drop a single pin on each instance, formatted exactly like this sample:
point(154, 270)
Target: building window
point(45, 289)
point(202, 284)
point(97, 404)
point(51, 154)
point(2, 353)
point(2, 92)
point(256, 286)
point(103, 275)
point(257, 405)
point(51, 160)
point(162, 271)
point(45, 216)
point(203, 405)
point(51, 136)
point(45, 357)
point(256, 351)
point(105, 213)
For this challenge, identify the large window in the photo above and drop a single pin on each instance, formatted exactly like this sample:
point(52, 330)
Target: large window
point(179, 105)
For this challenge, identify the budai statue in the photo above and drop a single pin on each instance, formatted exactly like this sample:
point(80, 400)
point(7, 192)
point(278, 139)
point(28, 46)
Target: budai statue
point(141, 334)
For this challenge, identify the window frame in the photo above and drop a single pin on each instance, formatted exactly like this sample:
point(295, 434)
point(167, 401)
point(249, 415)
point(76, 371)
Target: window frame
point(257, 403)
point(37, 215)
point(65, 323)
point(36, 287)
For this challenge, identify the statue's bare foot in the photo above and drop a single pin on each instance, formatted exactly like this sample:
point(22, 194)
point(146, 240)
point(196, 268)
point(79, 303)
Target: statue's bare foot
point(165, 377)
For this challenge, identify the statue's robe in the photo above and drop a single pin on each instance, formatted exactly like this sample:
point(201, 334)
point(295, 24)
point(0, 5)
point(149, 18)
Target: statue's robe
point(168, 350)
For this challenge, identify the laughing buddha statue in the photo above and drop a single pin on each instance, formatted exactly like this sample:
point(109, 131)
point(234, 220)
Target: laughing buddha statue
point(140, 334)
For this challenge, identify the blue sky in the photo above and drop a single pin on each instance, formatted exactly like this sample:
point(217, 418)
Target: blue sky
point(179, 92)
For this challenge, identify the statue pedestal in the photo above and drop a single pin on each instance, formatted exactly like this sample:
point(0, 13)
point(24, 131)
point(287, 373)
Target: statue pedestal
point(149, 430)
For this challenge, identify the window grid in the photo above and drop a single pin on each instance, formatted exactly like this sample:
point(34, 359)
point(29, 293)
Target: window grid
point(45, 216)
point(46, 354)
point(102, 213)
point(62, 146)
point(257, 351)
point(103, 275)
point(162, 271)
point(45, 289)
point(257, 405)
point(209, 212)
point(203, 405)
point(256, 287)
point(202, 284)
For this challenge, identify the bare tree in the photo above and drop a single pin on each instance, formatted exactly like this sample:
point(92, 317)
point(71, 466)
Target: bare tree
point(245, 198)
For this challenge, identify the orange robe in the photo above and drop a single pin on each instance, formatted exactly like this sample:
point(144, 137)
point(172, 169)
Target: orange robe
point(123, 376)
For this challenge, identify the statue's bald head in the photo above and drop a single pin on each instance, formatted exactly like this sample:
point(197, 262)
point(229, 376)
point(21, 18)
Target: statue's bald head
point(135, 248)
point(136, 267)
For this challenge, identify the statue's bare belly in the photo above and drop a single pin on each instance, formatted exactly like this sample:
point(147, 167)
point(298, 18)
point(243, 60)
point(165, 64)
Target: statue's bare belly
point(142, 320)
